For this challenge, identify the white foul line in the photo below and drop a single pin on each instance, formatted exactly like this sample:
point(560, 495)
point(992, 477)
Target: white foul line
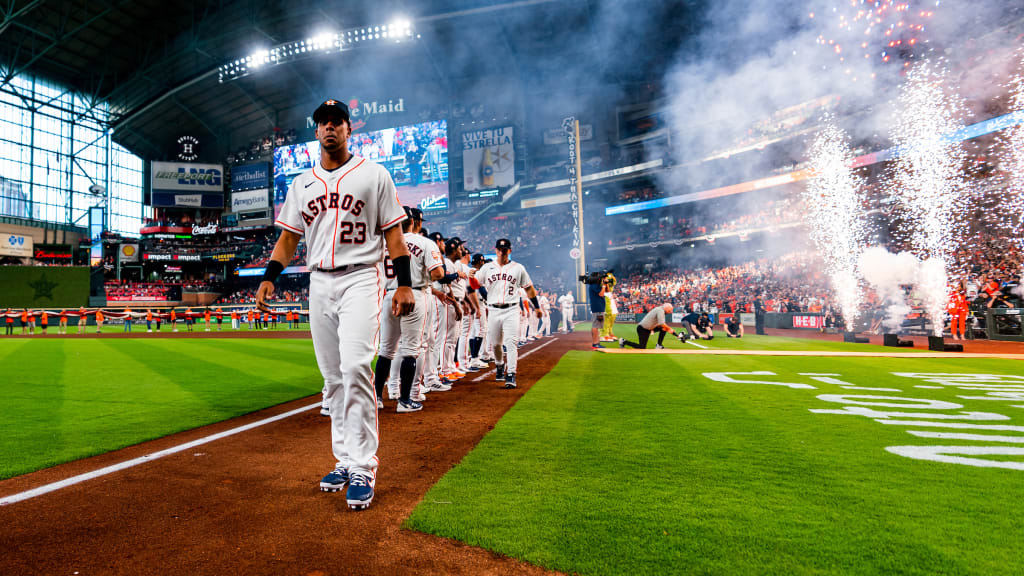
point(697, 345)
point(484, 375)
point(45, 489)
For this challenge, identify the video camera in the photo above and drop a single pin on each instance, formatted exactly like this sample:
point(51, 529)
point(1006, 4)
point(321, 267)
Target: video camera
point(595, 277)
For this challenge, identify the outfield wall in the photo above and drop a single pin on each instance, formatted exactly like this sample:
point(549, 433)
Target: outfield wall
point(44, 286)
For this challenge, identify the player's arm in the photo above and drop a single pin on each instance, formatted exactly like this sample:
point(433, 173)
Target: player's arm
point(403, 301)
point(283, 253)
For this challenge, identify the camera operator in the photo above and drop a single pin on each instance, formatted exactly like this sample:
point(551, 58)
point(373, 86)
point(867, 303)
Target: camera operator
point(654, 321)
point(733, 326)
point(698, 326)
point(596, 285)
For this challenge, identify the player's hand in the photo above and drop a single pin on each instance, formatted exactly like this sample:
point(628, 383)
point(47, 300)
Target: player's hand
point(463, 275)
point(539, 313)
point(403, 301)
point(263, 293)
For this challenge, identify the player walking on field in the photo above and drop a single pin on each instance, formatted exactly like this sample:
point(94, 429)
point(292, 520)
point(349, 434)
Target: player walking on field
point(348, 210)
point(502, 280)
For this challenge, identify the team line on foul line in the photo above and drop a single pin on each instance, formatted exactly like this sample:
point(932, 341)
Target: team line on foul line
point(720, 352)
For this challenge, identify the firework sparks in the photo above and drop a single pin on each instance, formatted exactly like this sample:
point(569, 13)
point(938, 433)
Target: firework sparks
point(928, 179)
point(1012, 161)
point(837, 225)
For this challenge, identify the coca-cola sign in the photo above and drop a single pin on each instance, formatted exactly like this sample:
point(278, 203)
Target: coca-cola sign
point(208, 229)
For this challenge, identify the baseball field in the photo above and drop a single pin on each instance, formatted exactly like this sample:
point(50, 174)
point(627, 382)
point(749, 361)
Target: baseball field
point(601, 463)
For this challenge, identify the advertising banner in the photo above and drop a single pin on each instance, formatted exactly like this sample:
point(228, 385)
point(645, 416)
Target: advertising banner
point(557, 135)
point(808, 321)
point(16, 245)
point(171, 200)
point(488, 158)
point(250, 176)
point(251, 200)
point(171, 257)
point(129, 252)
point(184, 177)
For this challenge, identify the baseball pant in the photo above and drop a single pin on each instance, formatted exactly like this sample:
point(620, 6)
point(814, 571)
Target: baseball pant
point(533, 324)
point(426, 369)
point(545, 324)
point(344, 317)
point(503, 328)
point(401, 336)
point(567, 318)
point(451, 336)
point(524, 325)
point(465, 328)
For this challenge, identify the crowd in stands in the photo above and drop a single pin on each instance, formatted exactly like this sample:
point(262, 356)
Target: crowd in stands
point(527, 231)
point(248, 296)
point(263, 258)
point(772, 213)
point(141, 290)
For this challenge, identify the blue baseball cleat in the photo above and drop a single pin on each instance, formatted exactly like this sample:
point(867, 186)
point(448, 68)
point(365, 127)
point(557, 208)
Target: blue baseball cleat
point(360, 492)
point(334, 481)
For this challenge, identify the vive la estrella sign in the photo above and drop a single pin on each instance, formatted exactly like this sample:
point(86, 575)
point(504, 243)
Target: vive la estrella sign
point(488, 158)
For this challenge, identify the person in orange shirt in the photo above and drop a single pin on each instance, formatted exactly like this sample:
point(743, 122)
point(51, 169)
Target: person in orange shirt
point(189, 320)
point(9, 322)
point(149, 320)
point(24, 321)
point(83, 317)
point(206, 318)
point(234, 319)
point(957, 308)
point(251, 315)
point(174, 320)
point(62, 328)
point(266, 320)
point(44, 321)
point(288, 318)
point(127, 319)
point(99, 320)
point(220, 319)
point(31, 323)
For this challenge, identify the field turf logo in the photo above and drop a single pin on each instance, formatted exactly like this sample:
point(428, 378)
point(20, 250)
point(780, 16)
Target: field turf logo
point(43, 287)
point(936, 420)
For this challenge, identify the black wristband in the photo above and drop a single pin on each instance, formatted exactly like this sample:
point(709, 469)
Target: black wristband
point(402, 271)
point(448, 278)
point(274, 269)
point(534, 302)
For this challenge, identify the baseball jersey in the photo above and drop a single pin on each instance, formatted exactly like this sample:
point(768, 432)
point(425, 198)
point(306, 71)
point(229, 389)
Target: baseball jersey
point(458, 289)
point(342, 213)
point(545, 305)
point(503, 282)
point(423, 257)
point(565, 301)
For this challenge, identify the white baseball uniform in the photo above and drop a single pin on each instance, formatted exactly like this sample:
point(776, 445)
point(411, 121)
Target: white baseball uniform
point(566, 303)
point(502, 284)
point(466, 324)
point(403, 335)
point(343, 214)
point(545, 322)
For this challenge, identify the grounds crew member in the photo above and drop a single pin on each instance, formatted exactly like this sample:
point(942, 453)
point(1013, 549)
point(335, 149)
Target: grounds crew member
point(654, 321)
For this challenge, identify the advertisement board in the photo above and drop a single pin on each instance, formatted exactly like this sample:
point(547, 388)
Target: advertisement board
point(250, 176)
point(16, 245)
point(800, 321)
point(250, 200)
point(129, 252)
point(488, 158)
point(185, 177)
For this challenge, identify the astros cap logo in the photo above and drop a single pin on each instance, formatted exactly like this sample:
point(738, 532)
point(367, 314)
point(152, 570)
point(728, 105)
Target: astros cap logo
point(331, 102)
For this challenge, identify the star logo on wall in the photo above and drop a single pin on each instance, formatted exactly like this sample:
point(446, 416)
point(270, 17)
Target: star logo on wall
point(43, 287)
point(501, 159)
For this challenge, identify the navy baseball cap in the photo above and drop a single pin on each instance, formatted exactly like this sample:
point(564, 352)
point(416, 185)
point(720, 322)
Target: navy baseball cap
point(477, 258)
point(503, 244)
point(331, 108)
point(415, 213)
point(436, 236)
point(452, 244)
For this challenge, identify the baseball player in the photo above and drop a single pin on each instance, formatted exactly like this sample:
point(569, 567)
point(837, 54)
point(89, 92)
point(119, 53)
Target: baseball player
point(545, 321)
point(348, 210)
point(425, 266)
point(454, 311)
point(470, 309)
point(478, 337)
point(566, 303)
point(437, 329)
point(502, 280)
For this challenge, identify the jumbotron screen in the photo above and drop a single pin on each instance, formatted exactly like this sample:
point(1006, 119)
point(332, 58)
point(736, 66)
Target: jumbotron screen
point(415, 155)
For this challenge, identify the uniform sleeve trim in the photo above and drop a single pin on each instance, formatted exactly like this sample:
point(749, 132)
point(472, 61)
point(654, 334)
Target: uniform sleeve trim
point(393, 222)
point(291, 228)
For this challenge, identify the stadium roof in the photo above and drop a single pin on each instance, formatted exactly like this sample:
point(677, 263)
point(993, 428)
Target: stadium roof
point(155, 63)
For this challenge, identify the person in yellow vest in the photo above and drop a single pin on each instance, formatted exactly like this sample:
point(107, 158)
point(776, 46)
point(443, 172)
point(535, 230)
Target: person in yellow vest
point(206, 318)
point(44, 320)
point(62, 328)
point(83, 317)
point(99, 320)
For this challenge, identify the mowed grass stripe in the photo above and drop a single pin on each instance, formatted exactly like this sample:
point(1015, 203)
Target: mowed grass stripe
point(641, 465)
point(69, 399)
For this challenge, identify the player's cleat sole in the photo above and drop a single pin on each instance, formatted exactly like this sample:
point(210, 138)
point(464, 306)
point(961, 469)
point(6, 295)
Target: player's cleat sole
point(334, 481)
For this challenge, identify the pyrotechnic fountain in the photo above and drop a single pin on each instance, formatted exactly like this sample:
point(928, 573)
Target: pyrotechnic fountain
point(836, 221)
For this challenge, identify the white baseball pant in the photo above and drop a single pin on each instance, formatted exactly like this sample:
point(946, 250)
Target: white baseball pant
point(344, 319)
point(451, 336)
point(567, 318)
point(401, 336)
point(426, 369)
point(545, 324)
point(503, 328)
point(464, 329)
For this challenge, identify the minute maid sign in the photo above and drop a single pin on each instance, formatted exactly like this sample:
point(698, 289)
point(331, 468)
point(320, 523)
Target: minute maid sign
point(195, 178)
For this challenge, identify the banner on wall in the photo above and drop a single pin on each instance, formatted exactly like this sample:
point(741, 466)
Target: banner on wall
point(129, 252)
point(250, 176)
point(16, 245)
point(488, 158)
point(250, 200)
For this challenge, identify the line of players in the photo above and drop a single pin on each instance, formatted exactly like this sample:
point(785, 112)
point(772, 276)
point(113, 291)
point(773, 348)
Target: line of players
point(28, 318)
point(469, 313)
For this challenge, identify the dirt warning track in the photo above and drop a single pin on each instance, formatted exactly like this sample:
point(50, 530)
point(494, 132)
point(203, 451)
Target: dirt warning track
point(249, 503)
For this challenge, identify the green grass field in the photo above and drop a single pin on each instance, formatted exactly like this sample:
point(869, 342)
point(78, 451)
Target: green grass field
point(66, 399)
point(638, 464)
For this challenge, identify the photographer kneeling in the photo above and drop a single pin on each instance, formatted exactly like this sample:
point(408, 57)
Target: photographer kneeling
point(654, 321)
point(698, 326)
point(733, 326)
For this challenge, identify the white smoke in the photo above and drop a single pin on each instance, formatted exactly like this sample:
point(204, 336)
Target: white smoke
point(888, 273)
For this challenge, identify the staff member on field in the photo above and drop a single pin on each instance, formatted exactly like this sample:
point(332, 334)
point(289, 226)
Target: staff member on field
point(654, 321)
